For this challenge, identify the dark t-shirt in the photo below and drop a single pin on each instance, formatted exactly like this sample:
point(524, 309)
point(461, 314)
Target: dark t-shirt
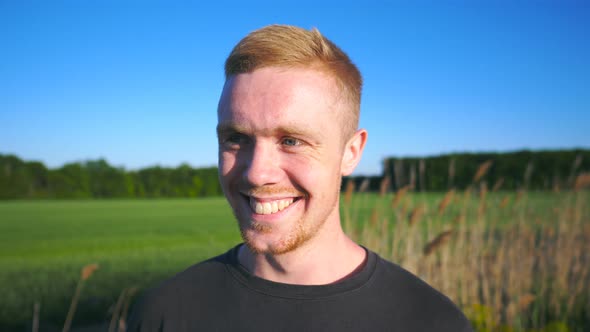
point(221, 295)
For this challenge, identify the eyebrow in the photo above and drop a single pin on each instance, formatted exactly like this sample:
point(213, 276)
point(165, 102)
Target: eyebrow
point(224, 128)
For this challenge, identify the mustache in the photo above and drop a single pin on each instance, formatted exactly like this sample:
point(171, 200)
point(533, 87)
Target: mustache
point(273, 191)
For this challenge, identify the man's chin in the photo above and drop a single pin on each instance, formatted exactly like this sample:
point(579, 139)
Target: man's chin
point(272, 250)
point(260, 243)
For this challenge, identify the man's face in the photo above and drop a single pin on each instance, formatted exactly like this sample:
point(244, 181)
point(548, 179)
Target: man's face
point(280, 155)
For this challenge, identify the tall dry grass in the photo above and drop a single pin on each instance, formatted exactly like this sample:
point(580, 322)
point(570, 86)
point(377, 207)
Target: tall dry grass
point(85, 273)
point(510, 261)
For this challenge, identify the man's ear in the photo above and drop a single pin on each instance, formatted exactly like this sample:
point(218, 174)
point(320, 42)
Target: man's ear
point(353, 150)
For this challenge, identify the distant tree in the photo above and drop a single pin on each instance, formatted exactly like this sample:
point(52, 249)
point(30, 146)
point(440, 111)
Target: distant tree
point(535, 170)
point(37, 178)
point(14, 180)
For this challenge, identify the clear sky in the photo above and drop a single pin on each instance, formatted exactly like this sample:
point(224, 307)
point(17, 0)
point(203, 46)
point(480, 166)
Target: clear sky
point(137, 82)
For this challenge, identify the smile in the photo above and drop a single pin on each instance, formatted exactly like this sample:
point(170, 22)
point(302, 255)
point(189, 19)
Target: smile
point(270, 206)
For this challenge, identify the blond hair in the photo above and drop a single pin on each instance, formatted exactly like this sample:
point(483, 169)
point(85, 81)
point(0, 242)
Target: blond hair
point(289, 46)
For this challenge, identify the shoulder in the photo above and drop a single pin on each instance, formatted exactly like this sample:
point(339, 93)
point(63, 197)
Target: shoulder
point(417, 301)
point(166, 301)
point(191, 279)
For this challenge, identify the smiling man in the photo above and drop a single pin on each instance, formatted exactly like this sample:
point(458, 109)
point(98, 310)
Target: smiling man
point(287, 130)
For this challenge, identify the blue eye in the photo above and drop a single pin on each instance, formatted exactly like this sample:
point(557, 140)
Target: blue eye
point(289, 141)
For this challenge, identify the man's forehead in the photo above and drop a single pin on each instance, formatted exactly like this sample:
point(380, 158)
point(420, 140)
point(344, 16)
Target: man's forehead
point(281, 82)
point(281, 100)
point(276, 88)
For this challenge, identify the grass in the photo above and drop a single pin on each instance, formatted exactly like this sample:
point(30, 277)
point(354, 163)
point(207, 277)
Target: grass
point(44, 244)
point(510, 260)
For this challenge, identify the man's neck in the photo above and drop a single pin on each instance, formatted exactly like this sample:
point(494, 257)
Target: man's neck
point(322, 260)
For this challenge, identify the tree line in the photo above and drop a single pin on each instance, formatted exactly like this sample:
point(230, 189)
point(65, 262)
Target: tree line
point(531, 170)
point(97, 179)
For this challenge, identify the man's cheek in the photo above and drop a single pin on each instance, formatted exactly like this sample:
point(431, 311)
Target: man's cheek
point(226, 164)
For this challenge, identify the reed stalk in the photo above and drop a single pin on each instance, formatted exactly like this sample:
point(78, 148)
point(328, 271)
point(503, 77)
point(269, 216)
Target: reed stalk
point(527, 266)
point(36, 312)
point(85, 273)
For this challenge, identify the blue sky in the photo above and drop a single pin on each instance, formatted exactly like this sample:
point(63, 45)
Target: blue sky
point(137, 82)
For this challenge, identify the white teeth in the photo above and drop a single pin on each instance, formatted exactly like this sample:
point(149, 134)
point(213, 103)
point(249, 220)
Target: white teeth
point(270, 207)
point(266, 208)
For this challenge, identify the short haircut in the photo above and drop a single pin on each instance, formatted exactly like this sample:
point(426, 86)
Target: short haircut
point(293, 47)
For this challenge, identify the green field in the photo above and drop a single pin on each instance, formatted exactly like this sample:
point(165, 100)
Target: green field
point(44, 244)
point(532, 238)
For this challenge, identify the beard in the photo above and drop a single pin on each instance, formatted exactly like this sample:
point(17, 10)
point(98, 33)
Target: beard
point(301, 232)
point(292, 241)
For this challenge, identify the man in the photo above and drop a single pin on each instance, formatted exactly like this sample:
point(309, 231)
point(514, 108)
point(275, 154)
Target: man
point(287, 129)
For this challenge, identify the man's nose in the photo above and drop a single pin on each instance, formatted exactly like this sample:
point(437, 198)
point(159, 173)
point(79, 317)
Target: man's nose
point(262, 165)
